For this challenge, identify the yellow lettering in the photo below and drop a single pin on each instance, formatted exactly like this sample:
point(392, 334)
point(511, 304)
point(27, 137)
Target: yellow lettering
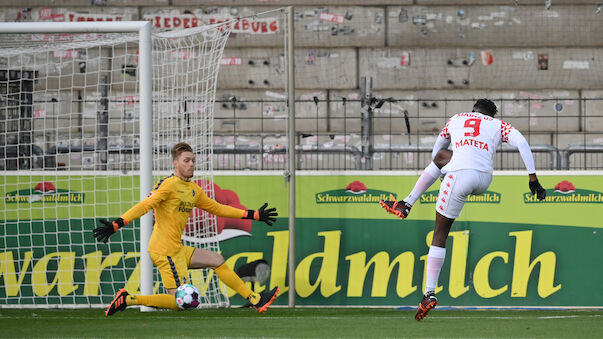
point(381, 275)
point(522, 267)
point(94, 268)
point(231, 262)
point(7, 268)
point(280, 256)
point(327, 277)
point(63, 278)
point(458, 263)
point(481, 280)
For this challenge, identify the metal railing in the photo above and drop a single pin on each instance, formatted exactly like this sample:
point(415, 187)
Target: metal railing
point(356, 155)
point(552, 163)
point(349, 157)
point(268, 152)
point(332, 134)
point(398, 133)
point(585, 150)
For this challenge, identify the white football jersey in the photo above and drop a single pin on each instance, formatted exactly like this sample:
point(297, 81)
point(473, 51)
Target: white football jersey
point(474, 137)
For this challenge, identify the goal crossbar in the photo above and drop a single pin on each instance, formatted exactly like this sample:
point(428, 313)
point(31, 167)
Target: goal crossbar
point(73, 27)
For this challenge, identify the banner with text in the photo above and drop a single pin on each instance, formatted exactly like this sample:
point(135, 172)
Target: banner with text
point(506, 248)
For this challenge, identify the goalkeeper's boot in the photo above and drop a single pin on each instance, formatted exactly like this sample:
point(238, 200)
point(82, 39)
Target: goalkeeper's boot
point(428, 302)
point(118, 303)
point(399, 208)
point(266, 299)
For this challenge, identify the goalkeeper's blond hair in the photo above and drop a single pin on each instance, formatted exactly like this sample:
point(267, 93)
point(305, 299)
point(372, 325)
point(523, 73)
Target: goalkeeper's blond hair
point(180, 148)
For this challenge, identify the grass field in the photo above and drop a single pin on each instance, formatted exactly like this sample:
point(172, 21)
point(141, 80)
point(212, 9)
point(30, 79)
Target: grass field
point(300, 323)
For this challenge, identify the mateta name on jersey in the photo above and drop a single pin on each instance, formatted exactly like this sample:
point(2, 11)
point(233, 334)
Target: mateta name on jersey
point(471, 142)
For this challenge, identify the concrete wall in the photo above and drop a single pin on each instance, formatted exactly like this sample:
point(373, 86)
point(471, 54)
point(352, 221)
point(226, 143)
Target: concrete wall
point(410, 45)
point(282, 2)
point(494, 26)
point(434, 57)
point(315, 68)
point(511, 68)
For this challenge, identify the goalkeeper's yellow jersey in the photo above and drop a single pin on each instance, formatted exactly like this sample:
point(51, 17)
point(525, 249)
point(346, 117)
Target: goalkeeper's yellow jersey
point(173, 200)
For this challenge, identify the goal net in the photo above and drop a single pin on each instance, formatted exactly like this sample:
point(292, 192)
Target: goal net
point(71, 126)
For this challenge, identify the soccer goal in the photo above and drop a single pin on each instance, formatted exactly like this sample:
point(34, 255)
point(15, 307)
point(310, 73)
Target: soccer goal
point(88, 114)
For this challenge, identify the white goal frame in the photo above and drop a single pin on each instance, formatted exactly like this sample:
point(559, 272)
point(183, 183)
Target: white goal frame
point(143, 28)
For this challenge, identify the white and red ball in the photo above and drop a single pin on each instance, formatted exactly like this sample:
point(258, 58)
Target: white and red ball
point(188, 297)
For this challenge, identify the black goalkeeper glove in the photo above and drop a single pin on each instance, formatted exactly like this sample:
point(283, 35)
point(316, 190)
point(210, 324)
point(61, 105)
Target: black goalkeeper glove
point(537, 189)
point(263, 214)
point(103, 232)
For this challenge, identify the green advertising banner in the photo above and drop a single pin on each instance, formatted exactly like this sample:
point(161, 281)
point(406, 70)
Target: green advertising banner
point(506, 248)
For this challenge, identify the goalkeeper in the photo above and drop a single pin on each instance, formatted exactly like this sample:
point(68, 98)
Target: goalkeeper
point(172, 199)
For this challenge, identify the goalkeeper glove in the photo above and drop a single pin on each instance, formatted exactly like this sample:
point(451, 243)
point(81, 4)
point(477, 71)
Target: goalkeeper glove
point(103, 232)
point(537, 189)
point(263, 214)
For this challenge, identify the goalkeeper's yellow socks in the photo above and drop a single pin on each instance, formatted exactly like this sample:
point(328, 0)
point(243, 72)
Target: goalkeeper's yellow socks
point(232, 280)
point(166, 301)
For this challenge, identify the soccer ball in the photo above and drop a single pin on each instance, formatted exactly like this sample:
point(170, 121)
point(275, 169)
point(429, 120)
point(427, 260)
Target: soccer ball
point(187, 297)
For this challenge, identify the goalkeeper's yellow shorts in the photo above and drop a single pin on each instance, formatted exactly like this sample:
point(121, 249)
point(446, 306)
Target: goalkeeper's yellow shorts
point(174, 269)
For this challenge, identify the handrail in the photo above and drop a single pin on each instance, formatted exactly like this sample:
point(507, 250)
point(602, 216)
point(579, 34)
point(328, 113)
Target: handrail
point(571, 149)
point(303, 149)
point(505, 148)
point(559, 158)
point(555, 154)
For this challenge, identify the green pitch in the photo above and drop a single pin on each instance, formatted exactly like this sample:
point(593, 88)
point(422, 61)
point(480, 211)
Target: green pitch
point(300, 323)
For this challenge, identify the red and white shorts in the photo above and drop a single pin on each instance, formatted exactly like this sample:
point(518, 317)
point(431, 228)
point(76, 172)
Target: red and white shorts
point(455, 188)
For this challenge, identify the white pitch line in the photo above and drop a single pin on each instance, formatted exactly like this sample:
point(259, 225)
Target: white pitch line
point(303, 318)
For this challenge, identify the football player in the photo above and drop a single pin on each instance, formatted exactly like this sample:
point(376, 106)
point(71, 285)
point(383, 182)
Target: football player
point(173, 199)
point(467, 169)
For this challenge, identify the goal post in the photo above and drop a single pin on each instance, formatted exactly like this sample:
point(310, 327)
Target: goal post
point(106, 101)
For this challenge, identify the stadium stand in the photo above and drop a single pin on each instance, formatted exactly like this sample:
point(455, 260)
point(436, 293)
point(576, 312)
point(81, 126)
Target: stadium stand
point(428, 60)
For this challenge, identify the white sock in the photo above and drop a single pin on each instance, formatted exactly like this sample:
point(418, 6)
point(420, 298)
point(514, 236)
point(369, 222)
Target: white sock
point(435, 260)
point(429, 176)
